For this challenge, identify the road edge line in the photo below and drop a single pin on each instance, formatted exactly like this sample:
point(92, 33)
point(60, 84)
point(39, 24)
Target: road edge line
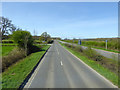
point(91, 69)
point(32, 71)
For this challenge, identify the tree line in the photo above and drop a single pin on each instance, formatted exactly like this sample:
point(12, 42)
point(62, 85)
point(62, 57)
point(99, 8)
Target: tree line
point(23, 38)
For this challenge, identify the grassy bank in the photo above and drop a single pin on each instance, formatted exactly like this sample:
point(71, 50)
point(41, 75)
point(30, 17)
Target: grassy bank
point(95, 65)
point(15, 74)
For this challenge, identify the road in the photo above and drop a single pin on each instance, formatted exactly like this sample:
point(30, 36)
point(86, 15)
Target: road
point(107, 54)
point(60, 69)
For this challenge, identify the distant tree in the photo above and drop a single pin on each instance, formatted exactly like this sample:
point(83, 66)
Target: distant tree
point(44, 36)
point(65, 39)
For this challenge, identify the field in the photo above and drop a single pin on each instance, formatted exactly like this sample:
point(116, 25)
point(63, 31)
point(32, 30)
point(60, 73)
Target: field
point(6, 50)
point(11, 42)
point(15, 74)
point(112, 44)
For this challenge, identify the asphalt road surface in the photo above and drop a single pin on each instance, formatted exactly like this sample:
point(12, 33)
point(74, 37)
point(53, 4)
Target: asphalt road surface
point(60, 69)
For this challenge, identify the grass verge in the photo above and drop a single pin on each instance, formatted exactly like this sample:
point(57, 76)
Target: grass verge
point(99, 68)
point(6, 50)
point(106, 49)
point(15, 74)
point(101, 48)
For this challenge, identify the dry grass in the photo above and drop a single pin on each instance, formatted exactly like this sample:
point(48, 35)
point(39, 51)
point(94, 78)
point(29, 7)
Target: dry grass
point(12, 57)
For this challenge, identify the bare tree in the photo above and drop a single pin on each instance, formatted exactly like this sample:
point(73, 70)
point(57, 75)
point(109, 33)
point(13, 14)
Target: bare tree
point(6, 26)
point(12, 28)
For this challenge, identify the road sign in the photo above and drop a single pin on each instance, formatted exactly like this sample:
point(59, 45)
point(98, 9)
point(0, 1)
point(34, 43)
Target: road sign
point(79, 42)
point(106, 43)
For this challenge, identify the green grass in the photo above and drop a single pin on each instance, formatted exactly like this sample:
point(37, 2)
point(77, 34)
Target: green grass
point(7, 41)
point(15, 75)
point(106, 49)
point(99, 68)
point(102, 47)
point(6, 50)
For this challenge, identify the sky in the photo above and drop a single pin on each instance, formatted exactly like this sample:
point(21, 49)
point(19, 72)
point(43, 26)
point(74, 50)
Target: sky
point(65, 19)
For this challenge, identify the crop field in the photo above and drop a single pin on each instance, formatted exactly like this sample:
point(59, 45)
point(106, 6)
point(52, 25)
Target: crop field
point(6, 50)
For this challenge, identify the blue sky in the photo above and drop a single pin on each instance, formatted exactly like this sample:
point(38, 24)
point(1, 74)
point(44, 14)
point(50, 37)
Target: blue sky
point(65, 20)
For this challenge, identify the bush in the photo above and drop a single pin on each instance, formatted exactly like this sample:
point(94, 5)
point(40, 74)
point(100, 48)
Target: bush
point(89, 52)
point(15, 55)
point(23, 39)
point(50, 41)
point(79, 49)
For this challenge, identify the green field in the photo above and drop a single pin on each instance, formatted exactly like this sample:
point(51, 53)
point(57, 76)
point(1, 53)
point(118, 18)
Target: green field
point(99, 68)
point(15, 74)
point(112, 45)
point(6, 50)
point(9, 44)
point(7, 41)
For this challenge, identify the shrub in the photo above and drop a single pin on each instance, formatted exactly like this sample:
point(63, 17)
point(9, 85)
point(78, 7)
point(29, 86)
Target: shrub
point(79, 49)
point(89, 52)
point(15, 55)
point(20, 37)
point(23, 39)
point(50, 41)
point(68, 45)
point(99, 58)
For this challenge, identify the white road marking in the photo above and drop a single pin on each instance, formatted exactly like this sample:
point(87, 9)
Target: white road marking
point(36, 71)
point(61, 63)
point(57, 51)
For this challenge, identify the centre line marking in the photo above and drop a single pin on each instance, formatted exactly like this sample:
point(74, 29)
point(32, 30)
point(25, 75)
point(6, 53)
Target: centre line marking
point(61, 63)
